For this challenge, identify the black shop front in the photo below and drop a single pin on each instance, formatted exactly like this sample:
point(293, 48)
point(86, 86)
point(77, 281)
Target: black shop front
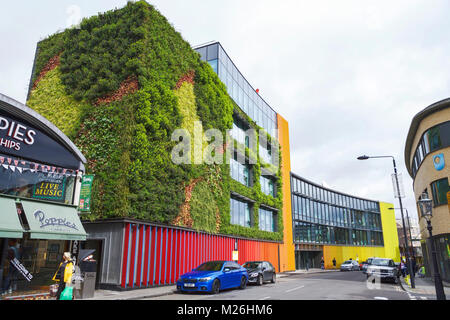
point(40, 173)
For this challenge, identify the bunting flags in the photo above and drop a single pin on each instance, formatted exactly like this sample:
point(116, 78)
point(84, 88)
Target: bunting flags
point(22, 166)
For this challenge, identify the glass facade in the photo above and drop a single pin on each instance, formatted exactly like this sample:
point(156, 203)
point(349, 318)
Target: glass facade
point(240, 213)
point(238, 88)
point(433, 139)
point(323, 216)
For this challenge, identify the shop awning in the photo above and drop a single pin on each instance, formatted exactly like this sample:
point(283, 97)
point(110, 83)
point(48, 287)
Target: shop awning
point(53, 221)
point(10, 226)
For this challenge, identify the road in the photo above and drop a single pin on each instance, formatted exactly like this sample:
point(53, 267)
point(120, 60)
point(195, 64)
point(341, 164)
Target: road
point(320, 286)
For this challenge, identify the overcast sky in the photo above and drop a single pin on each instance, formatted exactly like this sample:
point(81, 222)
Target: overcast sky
point(348, 76)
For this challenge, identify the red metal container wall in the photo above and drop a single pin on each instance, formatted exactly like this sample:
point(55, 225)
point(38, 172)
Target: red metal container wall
point(154, 255)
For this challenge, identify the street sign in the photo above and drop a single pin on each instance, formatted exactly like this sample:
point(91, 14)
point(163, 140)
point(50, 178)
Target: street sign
point(85, 193)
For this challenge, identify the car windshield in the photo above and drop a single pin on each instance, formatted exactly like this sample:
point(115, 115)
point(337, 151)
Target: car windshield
point(380, 262)
point(347, 262)
point(252, 265)
point(210, 266)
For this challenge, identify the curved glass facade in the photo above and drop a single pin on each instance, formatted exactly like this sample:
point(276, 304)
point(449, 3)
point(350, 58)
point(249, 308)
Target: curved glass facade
point(323, 216)
point(433, 139)
point(238, 87)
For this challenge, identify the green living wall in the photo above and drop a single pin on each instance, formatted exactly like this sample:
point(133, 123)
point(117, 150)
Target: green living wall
point(118, 86)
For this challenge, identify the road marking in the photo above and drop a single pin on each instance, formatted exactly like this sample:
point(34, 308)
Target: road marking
point(381, 298)
point(294, 289)
point(265, 298)
point(424, 298)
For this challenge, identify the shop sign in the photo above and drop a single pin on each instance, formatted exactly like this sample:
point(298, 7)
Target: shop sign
point(23, 271)
point(85, 193)
point(50, 189)
point(439, 162)
point(19, 138)
point(14, 135)
point(53, 222)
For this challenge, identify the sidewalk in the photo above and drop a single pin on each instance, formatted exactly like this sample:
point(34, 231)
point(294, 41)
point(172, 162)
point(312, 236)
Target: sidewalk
point(424, 286)
point(171, 289)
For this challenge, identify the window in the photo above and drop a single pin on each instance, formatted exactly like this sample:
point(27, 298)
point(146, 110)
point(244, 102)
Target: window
point(265, 153)
point(267, 186)
point(266, 220)
point(213, 64)
point(36, 185)
point(240, 213)
point(238, 132)
point(240, 172)
point(435, 138)
point(440, 189)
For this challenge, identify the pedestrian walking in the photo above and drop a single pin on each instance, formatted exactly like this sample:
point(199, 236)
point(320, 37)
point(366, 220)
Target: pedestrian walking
point(322, 264)
point(334, 263)
point(64, 274)
point(403, 268)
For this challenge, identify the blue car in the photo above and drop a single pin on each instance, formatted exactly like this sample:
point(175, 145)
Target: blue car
point(214, 276)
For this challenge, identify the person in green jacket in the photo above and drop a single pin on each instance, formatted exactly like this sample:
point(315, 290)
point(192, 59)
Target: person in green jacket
point(64, 273)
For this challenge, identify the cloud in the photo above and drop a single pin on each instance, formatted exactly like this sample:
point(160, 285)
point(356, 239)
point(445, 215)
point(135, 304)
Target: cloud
point(348, 75)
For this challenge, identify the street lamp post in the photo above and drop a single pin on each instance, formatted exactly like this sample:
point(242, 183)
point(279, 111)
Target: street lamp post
point(426, 208)
point(409, 230)
point(408, 260)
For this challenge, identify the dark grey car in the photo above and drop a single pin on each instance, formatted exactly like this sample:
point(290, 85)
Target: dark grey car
point(260, 271)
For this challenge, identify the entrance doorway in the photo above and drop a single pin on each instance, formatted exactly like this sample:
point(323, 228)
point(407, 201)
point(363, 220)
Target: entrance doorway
point(308, 259)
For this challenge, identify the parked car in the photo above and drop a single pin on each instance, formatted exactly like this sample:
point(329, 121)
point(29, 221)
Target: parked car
point(349, 265)
point(260, 271)
point(214, 276)
point(365, 264)
point(384, 269)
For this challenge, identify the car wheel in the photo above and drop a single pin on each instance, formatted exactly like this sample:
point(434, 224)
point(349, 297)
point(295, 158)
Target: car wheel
point(274, 278)
point(215, 287)
point(243, 283)
point(260, 280)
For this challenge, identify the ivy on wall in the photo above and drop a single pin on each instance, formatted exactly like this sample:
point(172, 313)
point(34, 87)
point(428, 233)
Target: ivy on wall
point(127, 139)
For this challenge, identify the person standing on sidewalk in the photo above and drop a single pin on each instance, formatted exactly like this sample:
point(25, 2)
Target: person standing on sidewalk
point(334, 263)
point(322, 264)
point(64, 274)
point(413, 265)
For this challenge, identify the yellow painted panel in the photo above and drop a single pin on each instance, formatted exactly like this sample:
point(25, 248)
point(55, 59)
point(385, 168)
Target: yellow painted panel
point(390, 234)
point(287, 249)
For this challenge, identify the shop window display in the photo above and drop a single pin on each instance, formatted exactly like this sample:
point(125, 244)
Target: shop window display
point(40, 258)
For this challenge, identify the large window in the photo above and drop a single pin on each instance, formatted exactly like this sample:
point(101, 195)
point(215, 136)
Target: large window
point(240, 213)
point(36, 184)
point(238, 132)
point(39, 257)
point(265, 153)
point(240, 172)
point(267, 186)
point(267, 221)
point(440, 189)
